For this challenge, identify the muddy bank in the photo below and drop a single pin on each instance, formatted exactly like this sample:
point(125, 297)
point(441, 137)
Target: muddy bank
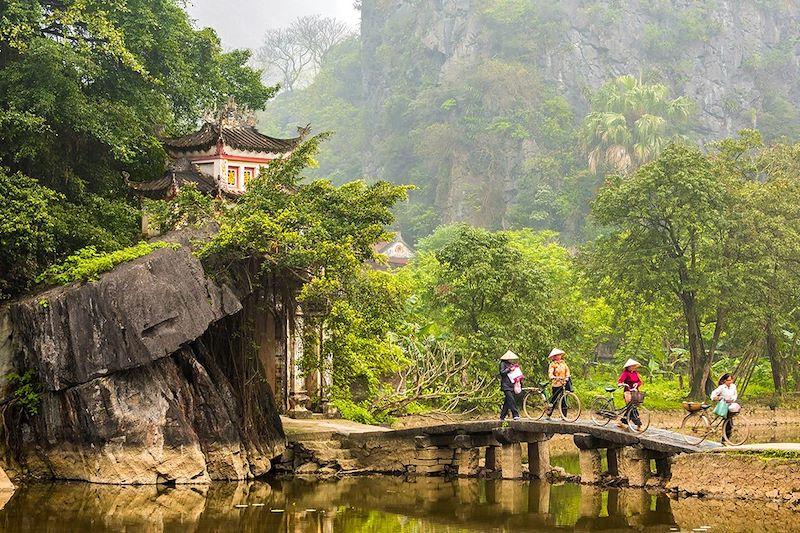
point(752, 476)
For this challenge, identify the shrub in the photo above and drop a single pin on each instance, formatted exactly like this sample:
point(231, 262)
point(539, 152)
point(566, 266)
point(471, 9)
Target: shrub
point(87, 263)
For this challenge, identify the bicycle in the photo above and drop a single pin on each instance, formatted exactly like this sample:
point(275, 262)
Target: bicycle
point(535, 404)
point(696, 426)
point(603, 411)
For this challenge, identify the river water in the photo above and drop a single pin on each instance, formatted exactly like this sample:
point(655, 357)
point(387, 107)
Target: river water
point(387, 504)
point(377, 504)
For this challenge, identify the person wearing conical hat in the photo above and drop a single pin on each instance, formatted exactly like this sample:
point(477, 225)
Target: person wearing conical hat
point(630, 381)
point(509, 372)
point(558, 373)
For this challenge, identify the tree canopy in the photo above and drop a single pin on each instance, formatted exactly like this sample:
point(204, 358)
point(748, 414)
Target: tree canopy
point(86, 88)
point(710, 232)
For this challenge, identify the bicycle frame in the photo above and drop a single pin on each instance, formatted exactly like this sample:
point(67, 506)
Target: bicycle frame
point(635, 414)
point(547, 406)
point(698, 425)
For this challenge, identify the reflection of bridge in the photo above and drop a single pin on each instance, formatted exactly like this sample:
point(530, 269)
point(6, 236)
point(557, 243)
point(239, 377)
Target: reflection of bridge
point(377, 504)
point(460, 448)
point(481, 505)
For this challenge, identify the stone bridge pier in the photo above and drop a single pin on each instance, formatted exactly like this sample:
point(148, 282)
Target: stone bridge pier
point(500, 450)
point(635, 464)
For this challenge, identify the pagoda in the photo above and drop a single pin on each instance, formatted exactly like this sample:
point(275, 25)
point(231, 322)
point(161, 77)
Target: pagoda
point(221, 157)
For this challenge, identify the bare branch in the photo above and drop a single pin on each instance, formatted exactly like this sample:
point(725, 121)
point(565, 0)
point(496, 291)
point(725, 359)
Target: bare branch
point(294, 55)
point(435, 375)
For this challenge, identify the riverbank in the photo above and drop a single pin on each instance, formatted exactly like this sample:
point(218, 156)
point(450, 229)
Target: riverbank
point(763, 472)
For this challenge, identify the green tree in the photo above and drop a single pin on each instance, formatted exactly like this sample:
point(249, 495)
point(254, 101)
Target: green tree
point(314, 233)
point(630, 123)
point(487, 292)
point(768, 242)
point(359, 346)
point(317, 238)
point(27, 231)
point(84, 88)
point(332, 102)
point(667, 227)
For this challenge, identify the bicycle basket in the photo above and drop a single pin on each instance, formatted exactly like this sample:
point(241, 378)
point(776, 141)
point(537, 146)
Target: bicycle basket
point(637, 397)
point(693, 407)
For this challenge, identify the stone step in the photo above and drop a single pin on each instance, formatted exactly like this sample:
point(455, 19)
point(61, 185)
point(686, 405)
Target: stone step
point(349, 464)
point(327, 450)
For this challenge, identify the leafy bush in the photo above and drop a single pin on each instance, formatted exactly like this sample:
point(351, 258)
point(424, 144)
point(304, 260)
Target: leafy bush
point(190, 207)
point(25, 390)
point(87, 263)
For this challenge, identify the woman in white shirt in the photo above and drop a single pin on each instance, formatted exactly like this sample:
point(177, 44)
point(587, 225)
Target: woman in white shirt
point(726, 392)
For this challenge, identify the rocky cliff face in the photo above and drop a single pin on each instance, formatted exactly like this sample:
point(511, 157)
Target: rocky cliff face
point(737, 59)
point(142, 378)
point(733, 57)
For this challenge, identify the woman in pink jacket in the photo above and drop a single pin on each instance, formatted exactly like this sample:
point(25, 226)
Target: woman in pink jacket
point(630, 381)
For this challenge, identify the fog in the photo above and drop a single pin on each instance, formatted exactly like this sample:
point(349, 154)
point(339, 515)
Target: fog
point(241, 23)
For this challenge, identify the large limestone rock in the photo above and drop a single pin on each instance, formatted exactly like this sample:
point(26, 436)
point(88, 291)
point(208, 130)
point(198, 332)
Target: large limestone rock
point(141, 380)
point(139, 312)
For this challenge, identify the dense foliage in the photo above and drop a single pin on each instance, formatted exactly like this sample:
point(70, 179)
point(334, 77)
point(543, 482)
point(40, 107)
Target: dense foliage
point(85, 87)
point(686, 263)
point(709, 232)
point(317, 233)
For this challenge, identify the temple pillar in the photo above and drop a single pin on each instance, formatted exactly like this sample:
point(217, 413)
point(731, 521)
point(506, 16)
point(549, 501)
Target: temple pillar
point(297, 395)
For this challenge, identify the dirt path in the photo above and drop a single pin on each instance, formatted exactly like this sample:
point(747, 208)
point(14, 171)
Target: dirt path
point(319, 427)
point(758, 416)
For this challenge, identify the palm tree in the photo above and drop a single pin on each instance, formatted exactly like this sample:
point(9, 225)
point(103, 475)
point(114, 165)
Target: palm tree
point(630, 123)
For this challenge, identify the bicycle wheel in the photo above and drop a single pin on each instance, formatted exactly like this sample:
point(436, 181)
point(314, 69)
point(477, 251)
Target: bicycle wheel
point(694, 429)
point(641, 413)
point(738, 434)
point(534, 405)
point(570, 407)
point(601, 411)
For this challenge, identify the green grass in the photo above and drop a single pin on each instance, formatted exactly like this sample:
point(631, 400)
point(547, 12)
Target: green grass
point(767, 455)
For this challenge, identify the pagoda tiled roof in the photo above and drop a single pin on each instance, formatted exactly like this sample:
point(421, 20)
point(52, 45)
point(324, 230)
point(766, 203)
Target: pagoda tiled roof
point(239, 137)
point(180, 172)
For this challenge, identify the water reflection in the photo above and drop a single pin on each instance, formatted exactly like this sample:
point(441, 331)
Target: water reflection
point(376, 504)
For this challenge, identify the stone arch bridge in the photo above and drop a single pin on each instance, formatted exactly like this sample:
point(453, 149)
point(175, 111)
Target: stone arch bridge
point(467, 448)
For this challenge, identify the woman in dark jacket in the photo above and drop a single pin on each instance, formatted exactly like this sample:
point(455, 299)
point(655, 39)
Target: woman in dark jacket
point(508, 363)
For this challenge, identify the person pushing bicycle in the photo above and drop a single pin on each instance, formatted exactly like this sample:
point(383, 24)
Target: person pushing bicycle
point(559, 375)
point(727, 407)
point(631, 382)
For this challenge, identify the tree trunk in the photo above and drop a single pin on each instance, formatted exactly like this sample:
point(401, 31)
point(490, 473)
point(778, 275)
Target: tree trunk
point(775, 360)
point(699, 361)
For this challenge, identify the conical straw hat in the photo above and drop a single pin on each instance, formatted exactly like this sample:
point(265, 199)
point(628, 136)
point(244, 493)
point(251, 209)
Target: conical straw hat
point(556, 351)
point(631, 362)
point(508, 356)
